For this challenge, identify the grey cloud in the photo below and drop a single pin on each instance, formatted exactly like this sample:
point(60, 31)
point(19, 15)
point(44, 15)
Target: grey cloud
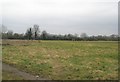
point(102, 20)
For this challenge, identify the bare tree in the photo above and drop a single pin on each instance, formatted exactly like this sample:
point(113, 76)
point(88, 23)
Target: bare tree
point(36, 30)
point(44, 35)
point(9, 34)
point(83, 35)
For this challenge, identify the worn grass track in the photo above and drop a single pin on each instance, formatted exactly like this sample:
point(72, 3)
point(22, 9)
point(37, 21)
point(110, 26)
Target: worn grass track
point(11, 73)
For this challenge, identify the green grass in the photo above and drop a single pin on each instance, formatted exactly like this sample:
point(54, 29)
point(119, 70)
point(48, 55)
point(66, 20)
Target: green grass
point(77, 60)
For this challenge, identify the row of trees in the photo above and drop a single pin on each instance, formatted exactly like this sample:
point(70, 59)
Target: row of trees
point(34, 33)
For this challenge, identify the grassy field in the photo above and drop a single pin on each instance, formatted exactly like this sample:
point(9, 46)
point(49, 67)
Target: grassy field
point(76, 60)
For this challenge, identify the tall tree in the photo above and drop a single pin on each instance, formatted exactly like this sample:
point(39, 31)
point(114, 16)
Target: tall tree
point(29, 33)
point(36, 30)
point(44, 35)
point(83, 35)
point(10, 34)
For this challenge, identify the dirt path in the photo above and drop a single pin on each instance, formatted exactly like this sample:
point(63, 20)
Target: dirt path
point(17, 72)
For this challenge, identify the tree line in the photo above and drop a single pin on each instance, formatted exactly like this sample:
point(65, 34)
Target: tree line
point(33, 33)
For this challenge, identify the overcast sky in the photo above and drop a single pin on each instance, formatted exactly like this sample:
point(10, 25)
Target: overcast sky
point(94, 17)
